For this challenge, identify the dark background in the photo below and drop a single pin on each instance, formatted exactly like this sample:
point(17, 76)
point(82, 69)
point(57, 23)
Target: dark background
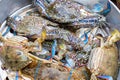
point(117, 2)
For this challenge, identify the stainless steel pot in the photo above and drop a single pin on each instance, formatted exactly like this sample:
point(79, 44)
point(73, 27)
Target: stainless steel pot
point(7, 7)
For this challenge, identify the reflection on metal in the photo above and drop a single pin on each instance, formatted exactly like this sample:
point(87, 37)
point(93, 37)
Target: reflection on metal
point(10, 6)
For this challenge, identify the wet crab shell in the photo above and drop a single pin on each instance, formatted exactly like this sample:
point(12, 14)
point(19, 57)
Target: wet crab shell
point(50, 72)
point(63, 11)
point(14, 59)
point(29, 25)
point(103, 61)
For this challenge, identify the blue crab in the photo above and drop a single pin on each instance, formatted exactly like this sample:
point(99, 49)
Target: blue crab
point(37, 27)
point(55, 72)
point(68, 12)
point(103, 60)
point(13, 54)
point(29, 25)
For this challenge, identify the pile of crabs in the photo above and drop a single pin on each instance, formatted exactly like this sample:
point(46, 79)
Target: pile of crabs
point(62, 40)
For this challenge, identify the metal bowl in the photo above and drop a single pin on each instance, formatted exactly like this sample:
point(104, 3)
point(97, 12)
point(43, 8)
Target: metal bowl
point(113, 17)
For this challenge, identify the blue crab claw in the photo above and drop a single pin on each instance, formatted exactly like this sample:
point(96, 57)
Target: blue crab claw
point(17, 76)
point(107, 10)
point(85, 35)
point(53, 50)
point(54, 45)
point(69, 78)
point(40, 4)
point(105, 77)
point(7, 30)
point(10, 24)
point(99, 8)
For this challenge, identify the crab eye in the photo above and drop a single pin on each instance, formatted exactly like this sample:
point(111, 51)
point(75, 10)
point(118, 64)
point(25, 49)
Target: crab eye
point(99, 17)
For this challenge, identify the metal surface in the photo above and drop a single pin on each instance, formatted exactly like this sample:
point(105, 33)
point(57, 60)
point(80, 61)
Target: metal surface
point(114, 15)
point(7, 7)
point(21, 12)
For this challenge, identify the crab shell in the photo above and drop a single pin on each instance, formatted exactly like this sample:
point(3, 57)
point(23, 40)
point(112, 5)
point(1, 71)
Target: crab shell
point(29, 25)
point(63, 11)
point(44, 72)
point(14, 58)
point(53, 72)
point(14, 55)
point(104, 61)
point(32, 25)
point(20, 42)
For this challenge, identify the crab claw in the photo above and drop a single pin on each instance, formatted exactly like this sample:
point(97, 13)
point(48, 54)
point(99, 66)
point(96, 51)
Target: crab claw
point(105, 77)
point(107, 10)
point(86, 37)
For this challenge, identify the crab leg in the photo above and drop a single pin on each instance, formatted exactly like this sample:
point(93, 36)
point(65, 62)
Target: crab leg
point(41, 5)
point(34, 57)
point(42, 37)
